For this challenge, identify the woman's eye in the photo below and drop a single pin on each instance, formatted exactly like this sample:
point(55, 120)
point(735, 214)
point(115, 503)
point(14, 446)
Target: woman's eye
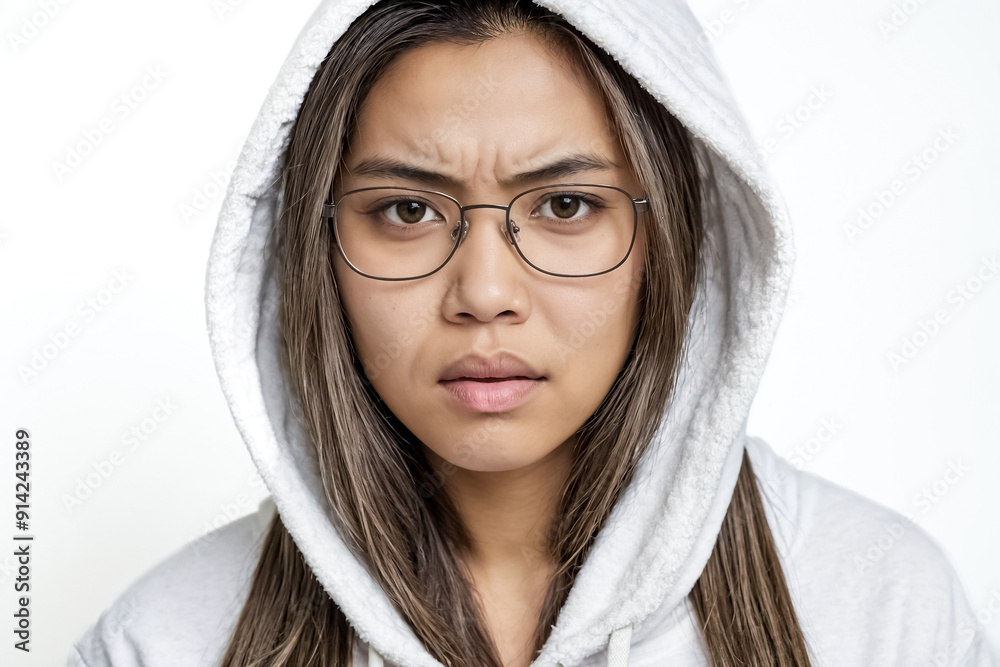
point(565, 207)
point(410, 212)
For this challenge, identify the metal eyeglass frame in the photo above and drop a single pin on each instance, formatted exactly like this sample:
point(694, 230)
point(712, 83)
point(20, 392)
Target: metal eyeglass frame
point(639, 205)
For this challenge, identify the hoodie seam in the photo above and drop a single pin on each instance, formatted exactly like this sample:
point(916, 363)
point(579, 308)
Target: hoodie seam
point(781, 509)
point(76, 652)
point(974, 643)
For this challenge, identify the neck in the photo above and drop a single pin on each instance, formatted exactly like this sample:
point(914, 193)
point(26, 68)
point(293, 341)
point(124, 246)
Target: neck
point(508, 513)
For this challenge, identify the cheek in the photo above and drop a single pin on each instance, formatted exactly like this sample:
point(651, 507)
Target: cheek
point(377, 324)
point(384, 342)
point(591, 345)
point(391, 329)
point(596, 331)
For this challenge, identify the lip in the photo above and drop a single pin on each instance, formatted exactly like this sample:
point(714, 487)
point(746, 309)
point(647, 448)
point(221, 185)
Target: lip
point(491, 384)
point(500, 366)
point(491, 396)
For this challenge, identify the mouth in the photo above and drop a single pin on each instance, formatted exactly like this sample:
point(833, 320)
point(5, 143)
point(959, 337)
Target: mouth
point(495, 383)
point(503, 379)
point(492, 394)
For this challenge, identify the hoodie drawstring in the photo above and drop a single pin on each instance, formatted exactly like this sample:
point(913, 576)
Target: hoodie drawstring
point(618, 648)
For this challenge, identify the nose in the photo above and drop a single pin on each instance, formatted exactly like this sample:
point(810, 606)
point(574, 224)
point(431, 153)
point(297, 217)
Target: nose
point(487, 278)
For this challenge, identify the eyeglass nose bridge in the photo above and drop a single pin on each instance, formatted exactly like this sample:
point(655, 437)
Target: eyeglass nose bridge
point(510, 230)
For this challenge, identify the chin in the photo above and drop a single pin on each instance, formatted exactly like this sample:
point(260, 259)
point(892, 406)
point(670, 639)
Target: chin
point(510, 451)
point(500, 462)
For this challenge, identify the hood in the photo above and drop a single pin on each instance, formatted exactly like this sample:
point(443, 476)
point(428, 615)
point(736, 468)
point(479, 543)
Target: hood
point(660, 535)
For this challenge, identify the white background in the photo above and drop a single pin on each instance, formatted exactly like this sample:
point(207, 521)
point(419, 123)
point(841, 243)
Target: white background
point(143, 203)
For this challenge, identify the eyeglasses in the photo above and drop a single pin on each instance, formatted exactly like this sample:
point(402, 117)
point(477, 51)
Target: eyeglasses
point(570, 230)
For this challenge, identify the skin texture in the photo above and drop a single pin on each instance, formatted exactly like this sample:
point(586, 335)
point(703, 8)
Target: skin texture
point(481, 114)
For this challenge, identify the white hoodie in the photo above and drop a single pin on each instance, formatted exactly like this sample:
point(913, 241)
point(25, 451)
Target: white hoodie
point(869, 587)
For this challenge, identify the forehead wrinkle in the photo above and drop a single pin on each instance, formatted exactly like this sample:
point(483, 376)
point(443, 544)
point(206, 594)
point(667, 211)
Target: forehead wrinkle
point(461, 153)
point(458, 164)
point(568, 165)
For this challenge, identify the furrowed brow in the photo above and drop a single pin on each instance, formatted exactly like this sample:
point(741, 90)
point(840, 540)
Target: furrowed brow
point(567, 166)
point(390, 169)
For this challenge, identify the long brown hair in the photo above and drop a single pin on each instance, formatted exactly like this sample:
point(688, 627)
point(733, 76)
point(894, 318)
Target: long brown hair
point(380, 488)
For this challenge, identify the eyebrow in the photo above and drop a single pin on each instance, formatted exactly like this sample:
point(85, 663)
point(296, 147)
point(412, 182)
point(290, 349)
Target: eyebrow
point(390, 169)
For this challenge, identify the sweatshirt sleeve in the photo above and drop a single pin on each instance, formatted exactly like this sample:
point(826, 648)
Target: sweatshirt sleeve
point(898, 598)
point(870, 585)
point(978, 653)
point(182, 611)
point(107, 642)
point(75, 659)
point(959, 640)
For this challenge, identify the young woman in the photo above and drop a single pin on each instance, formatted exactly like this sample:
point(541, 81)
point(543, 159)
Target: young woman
point(490, 296)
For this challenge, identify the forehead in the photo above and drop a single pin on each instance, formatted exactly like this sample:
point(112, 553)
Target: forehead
point(503, 106)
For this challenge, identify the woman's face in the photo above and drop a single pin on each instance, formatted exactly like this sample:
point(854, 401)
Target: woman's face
point(481, 115)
